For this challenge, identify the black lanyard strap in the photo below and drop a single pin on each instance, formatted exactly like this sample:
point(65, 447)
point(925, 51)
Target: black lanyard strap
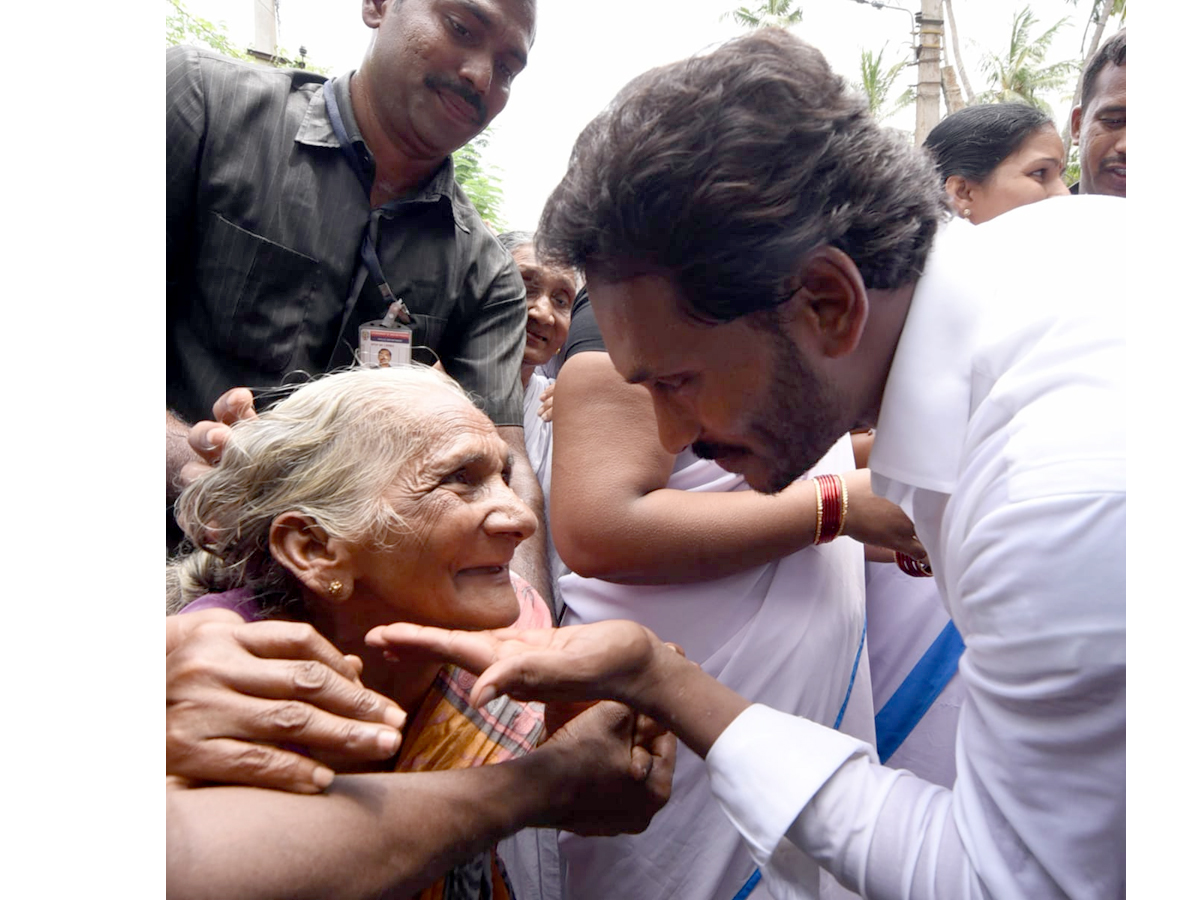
point(367, 250)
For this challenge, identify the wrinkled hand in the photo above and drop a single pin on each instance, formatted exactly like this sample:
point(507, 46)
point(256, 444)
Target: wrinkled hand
point(236, 690)
point(559, 712)
point(613, 768)
point(604, 660)
point(207, 438)
point(546, 410)
point(878, 522)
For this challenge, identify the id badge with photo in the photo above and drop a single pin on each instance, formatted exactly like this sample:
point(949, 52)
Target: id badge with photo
point(383, 346)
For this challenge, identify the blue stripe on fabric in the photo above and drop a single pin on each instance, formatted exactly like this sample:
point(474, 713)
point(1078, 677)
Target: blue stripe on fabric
point(754, 879)
point(916, 694)
point(750, 884)
point(862, 638)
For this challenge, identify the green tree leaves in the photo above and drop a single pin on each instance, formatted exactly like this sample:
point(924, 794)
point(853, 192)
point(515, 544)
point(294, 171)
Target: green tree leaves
point(1021, 73)
point(877, 81)
point(184, 27)
point(768, 14)
point(480, 181)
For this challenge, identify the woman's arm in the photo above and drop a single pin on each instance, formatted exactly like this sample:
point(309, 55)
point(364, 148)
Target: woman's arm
point(863, 441)
point(614, 518)
point(399, 832)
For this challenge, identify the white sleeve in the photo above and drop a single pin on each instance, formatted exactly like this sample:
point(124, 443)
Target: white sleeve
point(1037, 587)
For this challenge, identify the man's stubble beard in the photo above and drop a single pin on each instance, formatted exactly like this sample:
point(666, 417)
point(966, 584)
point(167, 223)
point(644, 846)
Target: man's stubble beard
point(801, 419)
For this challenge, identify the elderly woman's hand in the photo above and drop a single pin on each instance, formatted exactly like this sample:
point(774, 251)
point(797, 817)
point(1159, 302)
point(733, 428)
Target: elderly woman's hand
point(611, 769)
point(236, 691)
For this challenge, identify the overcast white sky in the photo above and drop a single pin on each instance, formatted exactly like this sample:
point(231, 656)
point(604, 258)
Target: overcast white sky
point(586, 51)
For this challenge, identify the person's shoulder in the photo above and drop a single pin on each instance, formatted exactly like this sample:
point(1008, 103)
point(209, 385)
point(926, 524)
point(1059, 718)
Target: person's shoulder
point(1050, 245)
point(582, 302)
point(584, 333)
point(468, 217)
point(211, 61)
point(225, 72)
point(479, 241)
point(1065, 217)
point(1074, 208)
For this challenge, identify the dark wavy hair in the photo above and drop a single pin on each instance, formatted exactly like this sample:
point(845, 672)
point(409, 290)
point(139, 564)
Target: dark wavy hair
point(1111, 51)
point(976, 139)
point(724, 170)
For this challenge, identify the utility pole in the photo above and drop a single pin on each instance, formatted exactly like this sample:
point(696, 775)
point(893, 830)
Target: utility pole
point(929, 72)
point(265, 37)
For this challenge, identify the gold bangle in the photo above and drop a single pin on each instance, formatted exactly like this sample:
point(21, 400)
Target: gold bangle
point(817, 536)
point(845, 506)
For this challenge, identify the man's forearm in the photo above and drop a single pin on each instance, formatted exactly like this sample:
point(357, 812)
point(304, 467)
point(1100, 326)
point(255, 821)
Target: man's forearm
point(685, 700)
point(530, 559)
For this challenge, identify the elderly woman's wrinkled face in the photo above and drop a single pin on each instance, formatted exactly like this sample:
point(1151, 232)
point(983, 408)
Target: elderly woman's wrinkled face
point(451, 569)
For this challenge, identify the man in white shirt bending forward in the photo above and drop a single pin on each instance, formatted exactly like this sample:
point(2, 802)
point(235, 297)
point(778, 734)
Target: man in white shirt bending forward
point(777, 270)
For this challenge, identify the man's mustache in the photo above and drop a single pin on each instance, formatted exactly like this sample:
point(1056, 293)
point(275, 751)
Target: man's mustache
point(708, 450)
point(438, 83)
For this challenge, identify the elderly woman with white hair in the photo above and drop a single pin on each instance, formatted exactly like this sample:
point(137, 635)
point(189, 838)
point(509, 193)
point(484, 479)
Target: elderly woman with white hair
point(368, 497)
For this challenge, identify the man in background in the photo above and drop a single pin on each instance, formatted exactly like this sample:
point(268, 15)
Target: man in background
point(1098, 123)
point(299, 208)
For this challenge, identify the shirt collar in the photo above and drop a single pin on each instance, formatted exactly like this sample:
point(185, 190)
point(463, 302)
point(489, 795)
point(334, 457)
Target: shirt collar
point(316, 130)
point(927, 399)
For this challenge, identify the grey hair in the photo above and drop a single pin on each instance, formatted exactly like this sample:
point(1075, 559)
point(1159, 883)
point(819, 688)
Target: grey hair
point(514, 240)
point(329, 451)
point(511, 240)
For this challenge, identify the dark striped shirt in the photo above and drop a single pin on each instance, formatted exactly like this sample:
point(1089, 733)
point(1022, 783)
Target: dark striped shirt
point(264, 221)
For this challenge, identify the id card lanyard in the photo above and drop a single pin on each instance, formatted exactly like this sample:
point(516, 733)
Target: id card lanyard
point(382, 342)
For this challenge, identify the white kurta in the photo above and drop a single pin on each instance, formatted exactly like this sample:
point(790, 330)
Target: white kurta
point(786, 634)
point(539, 434)
point(531, 855)
point(539, 447)
point(1002, 434)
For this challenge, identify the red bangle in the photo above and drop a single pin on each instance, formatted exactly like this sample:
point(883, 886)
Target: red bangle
point(917, 568)
point(832, 504)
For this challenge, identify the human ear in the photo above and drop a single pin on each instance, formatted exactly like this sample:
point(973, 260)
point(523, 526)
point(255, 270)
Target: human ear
point(831, 300)
point(372, 12)
point(1076, 123)
point(319, 562)
point(961, 193)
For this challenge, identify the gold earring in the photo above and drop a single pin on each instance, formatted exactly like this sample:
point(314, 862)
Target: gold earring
point(335, 589)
